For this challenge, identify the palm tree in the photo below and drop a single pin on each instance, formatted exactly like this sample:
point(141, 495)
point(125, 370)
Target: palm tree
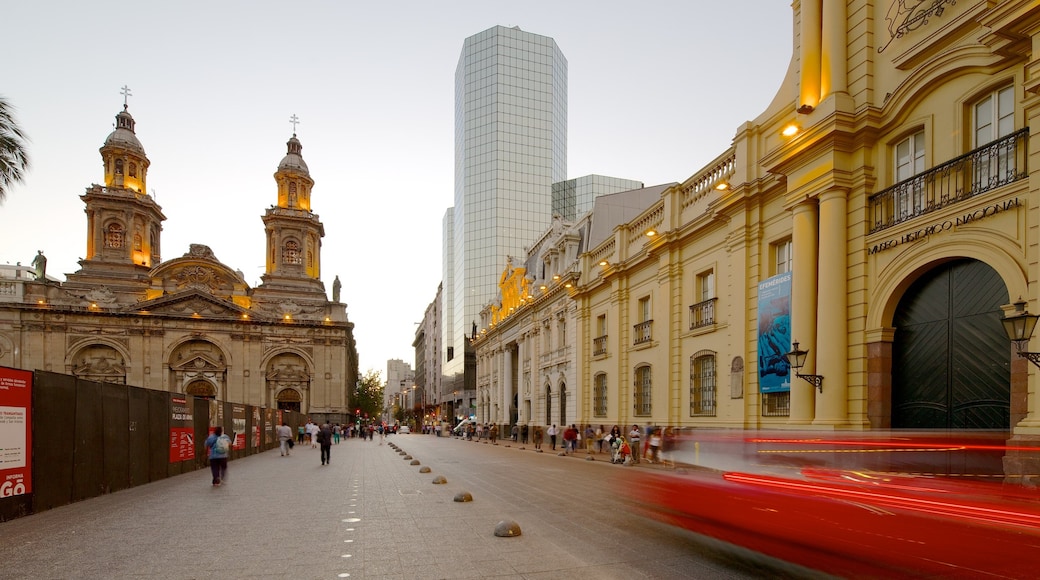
point(14, 159)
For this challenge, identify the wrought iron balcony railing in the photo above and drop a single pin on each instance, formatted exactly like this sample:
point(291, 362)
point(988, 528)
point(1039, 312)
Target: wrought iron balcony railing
point(991, 166)
point(643, 332)
point(599, 345)
point(702, 314)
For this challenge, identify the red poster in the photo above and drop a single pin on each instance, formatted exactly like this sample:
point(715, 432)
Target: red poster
point(15, 432)
point(238, 426)
point(182, 430)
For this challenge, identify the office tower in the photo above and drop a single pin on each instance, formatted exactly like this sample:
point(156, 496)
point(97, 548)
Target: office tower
point(571, 199)
point(510, 147)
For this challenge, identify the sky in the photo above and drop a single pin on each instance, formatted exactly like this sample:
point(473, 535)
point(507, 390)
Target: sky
point(656, 90)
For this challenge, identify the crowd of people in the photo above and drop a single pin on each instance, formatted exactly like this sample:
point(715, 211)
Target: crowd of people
point(650, 443)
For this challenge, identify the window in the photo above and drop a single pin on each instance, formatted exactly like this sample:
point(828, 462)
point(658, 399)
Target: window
point(643, 332)
point(782, 257)
point(909, 161)
point(133, 169)
point(119, 166)
point(548, 405)
point(994, 118)
point(291, 253)
point(599, 342)
point(702, 384)
point(599, 395)
point(642, 392)
point(114, 236)
point(706, 286)
point(138, 242)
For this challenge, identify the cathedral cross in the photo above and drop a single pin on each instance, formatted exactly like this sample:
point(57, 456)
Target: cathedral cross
point(295, 121)
point(125, 91)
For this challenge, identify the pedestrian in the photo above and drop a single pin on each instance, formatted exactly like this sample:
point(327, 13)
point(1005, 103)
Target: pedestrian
point(552, 436)
point(537, 436)
point(590, 439)
point(515, 432)
point(633, 442)
point(300, 434)
point(219, 447)
point(570, 439)
point(524, 433)
point(324, 437)
point(655, 446)
point(312, 429)
point(599, 439)
point(336, 431)
point(493, 433)
point(284, 437)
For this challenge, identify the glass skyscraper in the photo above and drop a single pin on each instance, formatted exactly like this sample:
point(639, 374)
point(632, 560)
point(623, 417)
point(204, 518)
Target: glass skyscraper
point(510, 147)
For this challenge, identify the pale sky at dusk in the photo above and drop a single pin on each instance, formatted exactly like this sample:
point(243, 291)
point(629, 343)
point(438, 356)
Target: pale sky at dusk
point(656, 90)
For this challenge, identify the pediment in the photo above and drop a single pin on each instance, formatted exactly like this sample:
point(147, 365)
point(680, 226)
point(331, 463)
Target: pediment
point(199, 363)
point(190, 302)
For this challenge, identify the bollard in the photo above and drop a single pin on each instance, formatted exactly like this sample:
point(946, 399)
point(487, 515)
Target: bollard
point(424, 470)
point(463, 496)
point(507, 529)
point(440, 479)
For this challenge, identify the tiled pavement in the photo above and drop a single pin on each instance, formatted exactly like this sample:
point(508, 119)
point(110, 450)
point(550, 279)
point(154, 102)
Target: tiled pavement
point(370, 514)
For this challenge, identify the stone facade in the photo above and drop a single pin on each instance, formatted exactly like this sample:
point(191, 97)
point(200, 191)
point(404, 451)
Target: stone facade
point(191, 324)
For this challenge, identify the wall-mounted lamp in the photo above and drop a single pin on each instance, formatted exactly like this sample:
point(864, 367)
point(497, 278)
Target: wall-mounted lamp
point(796, 358)
point(603, 263)
point(651, 233)
point(722, 185)
point(790, 130)
point(1019, 327)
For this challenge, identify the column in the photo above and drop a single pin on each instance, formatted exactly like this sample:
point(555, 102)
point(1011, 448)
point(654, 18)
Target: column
point(834, 63)
point(809, 53)
point(505, 388)
point(804, 240)
point(832, 356)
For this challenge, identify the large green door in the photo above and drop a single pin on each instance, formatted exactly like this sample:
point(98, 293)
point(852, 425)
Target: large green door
point(951, 356)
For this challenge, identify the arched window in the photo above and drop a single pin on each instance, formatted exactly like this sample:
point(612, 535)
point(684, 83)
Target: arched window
point(114, 236)
point(119, 166)
point(291, 253)
point(599, 395)
point(133, 169)
point(643, 391)
point(563, 405)
point(548, 405)
point(292, 194)
point(138, 242)
point(702, 384)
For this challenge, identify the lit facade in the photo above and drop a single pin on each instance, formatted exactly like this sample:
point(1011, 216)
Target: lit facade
point(511, 146)
point(190, 324)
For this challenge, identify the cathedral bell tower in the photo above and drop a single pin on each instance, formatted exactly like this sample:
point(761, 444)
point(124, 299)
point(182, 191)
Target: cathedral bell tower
point(123, 221)
point(294, 233)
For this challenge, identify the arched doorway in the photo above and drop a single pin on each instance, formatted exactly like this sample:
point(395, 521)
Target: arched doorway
point(201, 390)
point(563, 405)
point(951, 356)
point(289, 400)
point(548, 405)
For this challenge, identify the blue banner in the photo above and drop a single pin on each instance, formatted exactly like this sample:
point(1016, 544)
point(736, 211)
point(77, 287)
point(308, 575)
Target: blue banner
point(774, 333)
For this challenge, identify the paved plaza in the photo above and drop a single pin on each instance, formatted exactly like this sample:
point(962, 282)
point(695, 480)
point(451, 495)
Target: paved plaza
point(369, 514)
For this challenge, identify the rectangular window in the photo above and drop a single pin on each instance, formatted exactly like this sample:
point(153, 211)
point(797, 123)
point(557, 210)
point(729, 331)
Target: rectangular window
point(908, 162)
point(782, 257)
point(599, 341)
point(643, 331)
point(994, 118)
point(706, 286)
point(642, 392)
point(644, 309)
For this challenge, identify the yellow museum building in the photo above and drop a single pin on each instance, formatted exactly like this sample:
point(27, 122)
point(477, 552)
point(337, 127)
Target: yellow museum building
point(881, 213)
point(189, 324)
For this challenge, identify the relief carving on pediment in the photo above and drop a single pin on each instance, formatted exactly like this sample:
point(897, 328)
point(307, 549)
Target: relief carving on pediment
point(201, 278)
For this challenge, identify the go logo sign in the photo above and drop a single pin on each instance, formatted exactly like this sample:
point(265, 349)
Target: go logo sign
point(12, 488)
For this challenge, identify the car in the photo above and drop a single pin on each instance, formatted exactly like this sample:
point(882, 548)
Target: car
point(404, 429)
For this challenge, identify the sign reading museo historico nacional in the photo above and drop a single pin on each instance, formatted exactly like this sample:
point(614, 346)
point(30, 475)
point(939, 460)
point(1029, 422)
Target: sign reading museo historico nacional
point(15, 432)
point(946, 225)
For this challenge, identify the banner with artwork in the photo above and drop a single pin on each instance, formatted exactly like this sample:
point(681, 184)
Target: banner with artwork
point(15, 432)
point(774, 333)
point(238, 426)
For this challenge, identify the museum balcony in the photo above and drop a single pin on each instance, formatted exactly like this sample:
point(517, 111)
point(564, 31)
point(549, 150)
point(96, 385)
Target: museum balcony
point(981, 170)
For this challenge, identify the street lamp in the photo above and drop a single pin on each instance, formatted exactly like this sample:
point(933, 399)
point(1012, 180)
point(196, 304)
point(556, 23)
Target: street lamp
point(1019, 328)
point(796, 358)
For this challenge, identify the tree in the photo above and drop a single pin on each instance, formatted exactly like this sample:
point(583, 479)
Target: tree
point(368, 395)
point(14, 158)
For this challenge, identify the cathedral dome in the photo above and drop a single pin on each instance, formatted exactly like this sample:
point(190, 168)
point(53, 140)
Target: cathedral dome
point(293, 160)
point(124, 137)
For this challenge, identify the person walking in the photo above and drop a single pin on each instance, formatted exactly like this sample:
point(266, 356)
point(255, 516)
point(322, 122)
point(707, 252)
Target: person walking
point(324, 436)
point(655, 446)
point(523, 433)
point(633, 442)
point(284, 433)
point(538, 434)
point(336, 431)
point(515, 432)
point(493, 433)
point(300, 434)
point(313, 429)
point(552, 436)
point(590, 439)
point(219, 447)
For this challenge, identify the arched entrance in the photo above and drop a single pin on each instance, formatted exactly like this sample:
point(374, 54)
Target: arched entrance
point(201, 389)
point(951, 356)
point(289, 400)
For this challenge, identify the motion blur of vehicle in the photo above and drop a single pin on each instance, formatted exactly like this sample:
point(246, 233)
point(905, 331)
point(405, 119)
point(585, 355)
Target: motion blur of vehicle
point(865, 505)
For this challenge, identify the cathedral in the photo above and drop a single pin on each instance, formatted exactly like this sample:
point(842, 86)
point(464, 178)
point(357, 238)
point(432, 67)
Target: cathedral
point(189, 324)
